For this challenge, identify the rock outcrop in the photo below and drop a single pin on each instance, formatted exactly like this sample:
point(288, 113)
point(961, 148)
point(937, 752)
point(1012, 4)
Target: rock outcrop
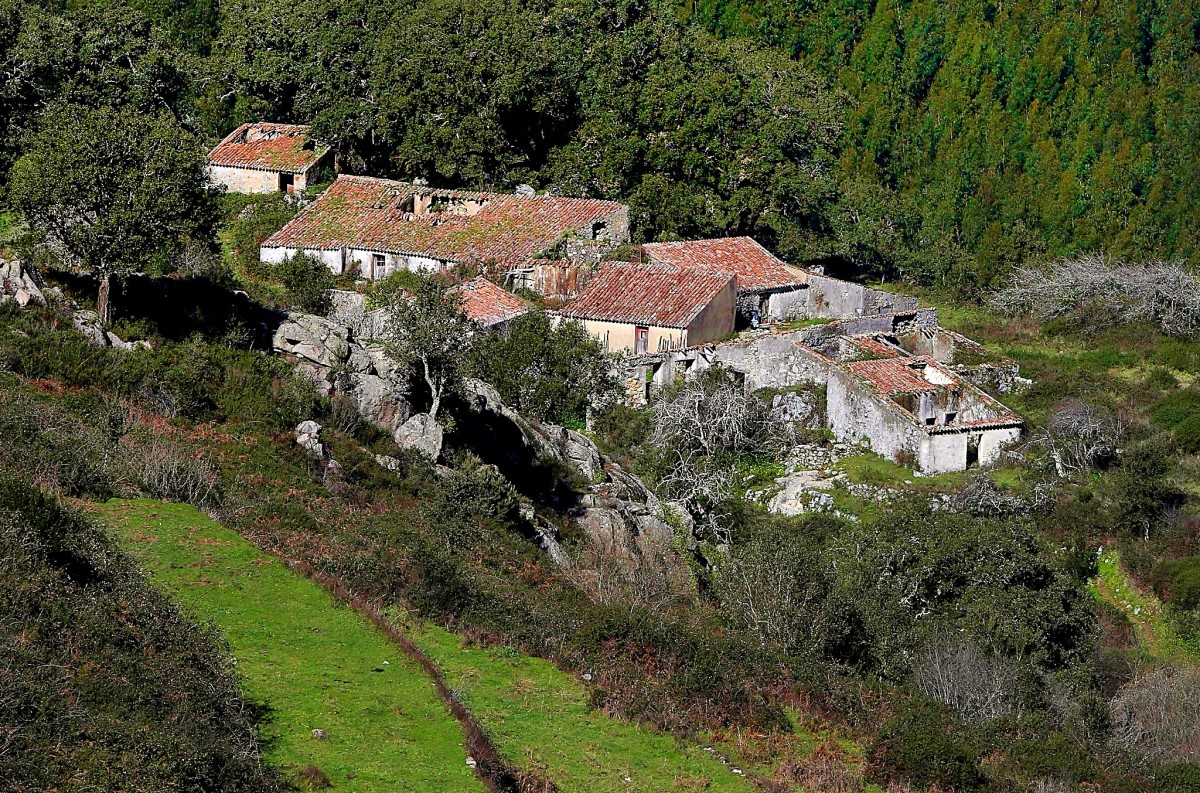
point(308, 438)
point(618, 513)
point(336, 361)
point(20, 284)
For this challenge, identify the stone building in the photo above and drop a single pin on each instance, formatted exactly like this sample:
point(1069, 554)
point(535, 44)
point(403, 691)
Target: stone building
point(268, 158)
point(896, 383)
point(653, 308)
point(378, 226)
point(918, 413)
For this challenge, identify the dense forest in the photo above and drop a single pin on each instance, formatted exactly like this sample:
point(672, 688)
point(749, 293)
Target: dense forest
point(939, 142)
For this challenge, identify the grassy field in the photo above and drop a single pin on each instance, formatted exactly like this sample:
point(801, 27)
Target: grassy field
point(539, 718)
point(315, 664)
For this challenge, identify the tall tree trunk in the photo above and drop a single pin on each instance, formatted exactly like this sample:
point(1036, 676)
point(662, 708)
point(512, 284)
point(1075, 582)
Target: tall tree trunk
point(102, 303)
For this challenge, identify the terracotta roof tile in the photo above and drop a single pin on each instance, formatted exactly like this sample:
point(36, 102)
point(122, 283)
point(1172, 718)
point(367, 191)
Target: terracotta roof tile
point(756, 268)
point(371, 214)
point(647, 294)
point(896, 375)
point(489, 304)
point(264, 146)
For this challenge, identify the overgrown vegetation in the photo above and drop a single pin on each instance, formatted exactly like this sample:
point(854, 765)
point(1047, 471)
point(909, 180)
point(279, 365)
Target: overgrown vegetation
point(106, 682)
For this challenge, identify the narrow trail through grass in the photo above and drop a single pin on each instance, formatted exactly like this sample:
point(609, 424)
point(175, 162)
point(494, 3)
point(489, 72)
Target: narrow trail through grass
point(539, 718)
point(1156, 637)
point(315, 663)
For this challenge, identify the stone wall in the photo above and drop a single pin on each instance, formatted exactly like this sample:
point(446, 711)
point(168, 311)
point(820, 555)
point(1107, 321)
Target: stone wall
point(773, 360)
point(832, 298)
point(562, 280)
point(856, 416)
point(244, 180)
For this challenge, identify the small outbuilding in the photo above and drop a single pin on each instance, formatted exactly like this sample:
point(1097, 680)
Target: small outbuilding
point(491, 306)
point(767, 287)
point(262, 157)
point(649, 308)
point(917, 412)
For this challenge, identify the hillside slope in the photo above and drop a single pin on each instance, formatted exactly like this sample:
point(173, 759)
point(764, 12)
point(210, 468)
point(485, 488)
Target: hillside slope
point(316, 664)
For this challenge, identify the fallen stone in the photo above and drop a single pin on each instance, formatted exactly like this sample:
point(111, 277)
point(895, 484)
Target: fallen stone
point(308, 438)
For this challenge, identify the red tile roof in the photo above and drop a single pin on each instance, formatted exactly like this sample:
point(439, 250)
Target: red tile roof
point(263, 146)
point(895, 375)
point(367, 213)
point(756, 268)
point(489, 304)
point(647, 294)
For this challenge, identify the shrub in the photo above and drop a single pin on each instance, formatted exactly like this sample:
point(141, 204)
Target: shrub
point(251, 219)
point(1175, 408)
point(307, 282)
point(1187, 434)
point(955, 673)
point(547, 373)
point(923, 745)
point(103, 675)
point(1161, 379)
point(165, 472)
point(1177, 581)
point(1158, 715)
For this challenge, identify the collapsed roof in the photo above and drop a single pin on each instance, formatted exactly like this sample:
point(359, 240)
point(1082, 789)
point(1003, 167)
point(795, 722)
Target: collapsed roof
point(264, 146)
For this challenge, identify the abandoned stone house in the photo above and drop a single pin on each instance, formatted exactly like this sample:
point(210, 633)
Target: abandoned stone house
point(914, 411)
point(267, 158)
point(768, 288)
point(895, 382)
point(378, 226)
point(643, 308)
point(490, 305)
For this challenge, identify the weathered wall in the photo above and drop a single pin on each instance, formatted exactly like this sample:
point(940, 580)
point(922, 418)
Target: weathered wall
point(361, 259)
point(857, 415)
point(617, 336)
point(943, 453)
point(243, 180)
point(557, 279)
point(331, 259)
point(994, 442)
point(715, 322)
point(832, 298)
point(783, 305)
point(775, 360)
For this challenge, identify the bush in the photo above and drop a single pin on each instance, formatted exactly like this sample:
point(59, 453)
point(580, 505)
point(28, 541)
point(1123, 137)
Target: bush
point(925, 746)
point(307, 282)
point(547, 373)
point(1187, 434)
point(251, 219)
point(1175, 408)
point(1157, 716)
point(166, 473)
point(1177, 581)
point(1161, 379)
point(103, 676)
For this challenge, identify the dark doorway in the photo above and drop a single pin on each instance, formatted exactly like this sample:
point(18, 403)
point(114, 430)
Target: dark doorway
point(973, 450)
point(287, 182)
